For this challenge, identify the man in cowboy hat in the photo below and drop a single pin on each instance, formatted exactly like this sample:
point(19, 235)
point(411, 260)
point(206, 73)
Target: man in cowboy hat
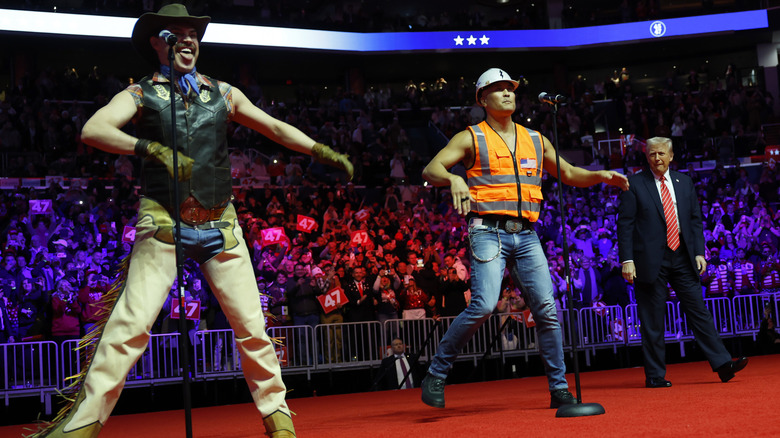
point(209, 229)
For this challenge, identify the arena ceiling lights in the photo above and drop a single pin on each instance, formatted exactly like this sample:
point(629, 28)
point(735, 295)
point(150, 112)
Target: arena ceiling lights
point(444, 41)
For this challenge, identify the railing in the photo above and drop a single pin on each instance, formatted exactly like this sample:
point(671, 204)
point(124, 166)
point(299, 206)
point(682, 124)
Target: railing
point(44, 368)
point(29, 369)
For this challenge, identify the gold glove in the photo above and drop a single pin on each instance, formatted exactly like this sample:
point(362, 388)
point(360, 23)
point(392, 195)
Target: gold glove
point(164, 154)
point(325, 155)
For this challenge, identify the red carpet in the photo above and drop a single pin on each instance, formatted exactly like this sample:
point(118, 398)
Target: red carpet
point(697, 405)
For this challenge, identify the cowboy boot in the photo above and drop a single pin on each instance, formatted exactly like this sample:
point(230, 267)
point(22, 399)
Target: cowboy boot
point(57, 428)
point(279, 425)
point(88, 431)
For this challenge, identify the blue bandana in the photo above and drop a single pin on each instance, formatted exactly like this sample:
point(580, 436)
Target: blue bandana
point(186, 81)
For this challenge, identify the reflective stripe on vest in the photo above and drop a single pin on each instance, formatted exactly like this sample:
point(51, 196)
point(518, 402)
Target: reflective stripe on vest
point(494, 185)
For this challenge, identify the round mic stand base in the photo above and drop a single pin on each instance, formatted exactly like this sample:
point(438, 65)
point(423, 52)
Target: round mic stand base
point(580, 410)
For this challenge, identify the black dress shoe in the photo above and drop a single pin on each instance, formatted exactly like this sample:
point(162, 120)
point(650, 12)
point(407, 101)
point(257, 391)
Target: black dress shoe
point(657, 382)
point(727, 371)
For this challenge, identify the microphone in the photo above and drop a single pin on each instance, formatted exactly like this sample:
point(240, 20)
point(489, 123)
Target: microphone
point(551, 98)
point(169, 37)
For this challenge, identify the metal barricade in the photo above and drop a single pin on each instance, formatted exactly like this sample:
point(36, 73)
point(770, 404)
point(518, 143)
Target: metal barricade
point(31, 365)
point(43, 368)
point(748, 312)
point(361, 344)
point(631, 326)
point(297, 346)
point(565, 321)
point(160, 361)
point(29, 368)
point(672, 324)
point(329, 342)
point(517, 337)
point(601, 326)
point(71, 362)
point(478, 344)
point(414, 333)
point(722, 313)
point(774, 307)
point(216, 354)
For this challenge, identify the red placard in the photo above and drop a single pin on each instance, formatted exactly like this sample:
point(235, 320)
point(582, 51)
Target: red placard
point(41, 206)
point(332, 299)
point(362, 215)
point(128, 234)
point(772, 152)
point(528, 319)
point(359, 238)
point(306, 224)
point(270, 236)
point(193, 310)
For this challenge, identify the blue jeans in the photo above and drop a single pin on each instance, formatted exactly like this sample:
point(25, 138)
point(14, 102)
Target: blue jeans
point(493, 250)
point(200, 245)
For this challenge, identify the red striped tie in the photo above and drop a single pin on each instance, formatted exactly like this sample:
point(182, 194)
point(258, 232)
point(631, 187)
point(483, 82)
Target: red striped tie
point(672, 233)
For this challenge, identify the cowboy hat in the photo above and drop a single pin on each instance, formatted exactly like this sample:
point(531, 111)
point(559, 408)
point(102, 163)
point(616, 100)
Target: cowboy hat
point(150, 24)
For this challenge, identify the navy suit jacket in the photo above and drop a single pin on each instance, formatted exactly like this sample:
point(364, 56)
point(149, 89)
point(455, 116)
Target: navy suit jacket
point(354, 312)
point(642, 227)
point(387, 377)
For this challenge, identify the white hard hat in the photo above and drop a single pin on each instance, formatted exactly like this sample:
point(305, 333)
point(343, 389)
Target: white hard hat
point(491, 76)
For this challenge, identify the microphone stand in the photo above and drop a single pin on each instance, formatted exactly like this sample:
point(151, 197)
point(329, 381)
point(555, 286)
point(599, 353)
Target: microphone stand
point(580, 409)
point(184, 340)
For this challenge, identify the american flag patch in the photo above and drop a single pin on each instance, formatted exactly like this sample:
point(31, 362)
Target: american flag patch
point(528, 163)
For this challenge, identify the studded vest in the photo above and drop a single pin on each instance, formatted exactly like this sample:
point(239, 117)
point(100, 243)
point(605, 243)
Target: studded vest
point(200, 134)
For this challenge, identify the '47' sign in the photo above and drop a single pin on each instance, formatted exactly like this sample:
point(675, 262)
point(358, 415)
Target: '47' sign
point(331, 300)
point(359, 238)
point(306, 224)
point(128, 234)
point(192, 308)
point(41, 206)
point(270, 236)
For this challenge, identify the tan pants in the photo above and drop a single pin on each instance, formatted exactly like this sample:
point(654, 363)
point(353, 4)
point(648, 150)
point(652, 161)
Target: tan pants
point(335, 336)
point(151, 274)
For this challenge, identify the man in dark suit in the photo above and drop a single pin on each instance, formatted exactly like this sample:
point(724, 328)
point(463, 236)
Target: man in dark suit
point(393, 370)
point(360, 307)
point(661, 241)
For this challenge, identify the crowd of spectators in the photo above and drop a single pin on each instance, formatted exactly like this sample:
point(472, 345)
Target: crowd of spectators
point(709, 117)
point(400, 252)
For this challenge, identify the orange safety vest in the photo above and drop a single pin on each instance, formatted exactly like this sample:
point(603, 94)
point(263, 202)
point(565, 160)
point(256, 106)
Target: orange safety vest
point(502, 181)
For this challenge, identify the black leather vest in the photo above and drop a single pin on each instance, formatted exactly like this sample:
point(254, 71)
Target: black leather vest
point(200, 135)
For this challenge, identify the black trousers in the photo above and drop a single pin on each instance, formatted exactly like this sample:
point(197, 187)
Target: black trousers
point(677, 271)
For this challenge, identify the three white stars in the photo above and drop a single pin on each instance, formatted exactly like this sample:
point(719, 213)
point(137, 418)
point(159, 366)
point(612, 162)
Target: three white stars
point(472, 40)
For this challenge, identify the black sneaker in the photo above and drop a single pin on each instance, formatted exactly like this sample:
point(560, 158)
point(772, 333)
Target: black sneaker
point(561, 397)
point(433, 391)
